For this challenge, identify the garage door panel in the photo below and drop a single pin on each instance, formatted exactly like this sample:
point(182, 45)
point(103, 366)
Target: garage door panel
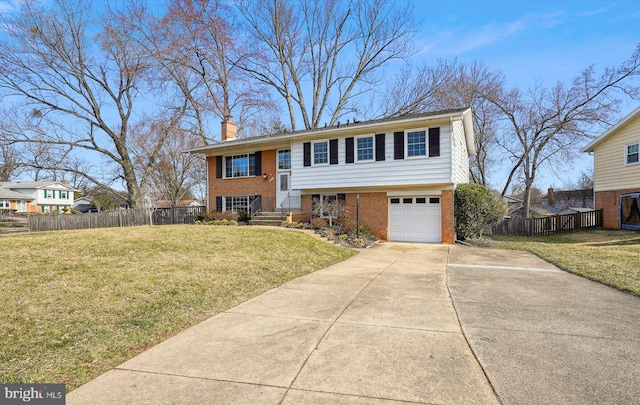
point(415, 219)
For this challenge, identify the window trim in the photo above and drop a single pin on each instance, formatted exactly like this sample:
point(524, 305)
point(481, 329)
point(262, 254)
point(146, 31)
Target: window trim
point(425, 131)
point(3, 202)
point(313, 152)
point(356, 151)
point(627, 154)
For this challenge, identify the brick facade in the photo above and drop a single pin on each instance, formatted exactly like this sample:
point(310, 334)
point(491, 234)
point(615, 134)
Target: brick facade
point(609, 203)
point(255, 185)
point(448, 218)
point(374, 213)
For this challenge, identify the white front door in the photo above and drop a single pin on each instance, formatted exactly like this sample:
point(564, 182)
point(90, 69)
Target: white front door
point(283, 189)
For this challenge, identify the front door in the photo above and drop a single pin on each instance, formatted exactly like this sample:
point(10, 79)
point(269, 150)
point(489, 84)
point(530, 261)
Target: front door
point(283, 189)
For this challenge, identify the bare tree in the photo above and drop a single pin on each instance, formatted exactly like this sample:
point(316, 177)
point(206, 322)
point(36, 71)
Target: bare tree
point(544, 125)
point(76, 81)
point(9, 161)
point(328, 51)
point(175, 173)
point(193, 45)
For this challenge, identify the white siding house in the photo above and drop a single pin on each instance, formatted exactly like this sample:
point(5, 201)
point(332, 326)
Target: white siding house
point(400, 172)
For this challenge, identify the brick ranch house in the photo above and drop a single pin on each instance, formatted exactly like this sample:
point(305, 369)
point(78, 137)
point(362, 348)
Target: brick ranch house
point(402, 171)
point(616, 173)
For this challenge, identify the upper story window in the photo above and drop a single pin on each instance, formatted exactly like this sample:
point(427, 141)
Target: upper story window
point(240, 166)
point(364, 147)
point(320, 153)
point(64, 194)
point(49, 194)
point(632, 153)
point(284, 159)
point(416, 144)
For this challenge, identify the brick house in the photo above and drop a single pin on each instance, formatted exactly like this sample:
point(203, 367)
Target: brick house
point(616, 182)
point(36, 196)
point(400, 172)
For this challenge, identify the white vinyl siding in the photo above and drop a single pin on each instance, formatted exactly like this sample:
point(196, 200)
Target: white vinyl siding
point(610, 160)
point(460, 158)
point(388, 173)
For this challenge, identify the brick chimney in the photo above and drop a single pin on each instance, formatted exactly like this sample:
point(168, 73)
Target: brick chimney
point(229, 129)
point(550, 199)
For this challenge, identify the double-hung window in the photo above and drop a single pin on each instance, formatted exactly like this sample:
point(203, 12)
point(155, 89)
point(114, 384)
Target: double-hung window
point(21, 206)
point(49, 194)
point(416, 144)
point(320, 153)
point(632, 153)
point(64, 194)
point(240, 166)
point(364, 147)
point(4, 204)
point(284, 159)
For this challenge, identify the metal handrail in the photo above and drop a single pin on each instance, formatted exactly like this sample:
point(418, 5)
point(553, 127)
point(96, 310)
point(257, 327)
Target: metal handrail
point(255, 206)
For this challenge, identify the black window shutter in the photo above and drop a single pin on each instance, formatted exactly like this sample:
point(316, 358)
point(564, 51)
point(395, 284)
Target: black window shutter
point(219, 160)
point(257, 171)
point(434, 142)
point(380, 147)
point(307, 153)
point(348, 149)
point(333, 151)
point(219, 204)
point(341, 197)
point(398, 145)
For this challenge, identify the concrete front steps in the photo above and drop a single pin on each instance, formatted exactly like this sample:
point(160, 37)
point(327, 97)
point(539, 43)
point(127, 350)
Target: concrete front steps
point(268, 218)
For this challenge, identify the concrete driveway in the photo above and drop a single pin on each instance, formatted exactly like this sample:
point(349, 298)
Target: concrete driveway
point(544, 336)
point(386, 327)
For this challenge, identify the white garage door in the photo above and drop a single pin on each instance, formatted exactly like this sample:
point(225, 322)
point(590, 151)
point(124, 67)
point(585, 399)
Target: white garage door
point(415, 219)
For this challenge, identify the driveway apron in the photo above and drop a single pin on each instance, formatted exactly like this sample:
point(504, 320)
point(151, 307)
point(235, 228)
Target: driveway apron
point(544, 336)
point(379, 328)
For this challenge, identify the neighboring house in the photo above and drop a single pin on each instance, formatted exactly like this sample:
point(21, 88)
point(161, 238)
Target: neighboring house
point(616, 182)
point(36, 196)
point(83, 204)
point(568, 199)
point(398, 173)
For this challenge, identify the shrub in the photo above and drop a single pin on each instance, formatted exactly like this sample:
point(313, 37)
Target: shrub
point(217, 216)
point(318, 223)
point(476, 209)
point(243, 216)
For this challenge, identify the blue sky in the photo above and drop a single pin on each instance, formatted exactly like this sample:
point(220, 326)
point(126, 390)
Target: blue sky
point(532, 41)
point(529, 41)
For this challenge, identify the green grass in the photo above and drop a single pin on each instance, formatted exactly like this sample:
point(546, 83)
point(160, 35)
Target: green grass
point(76, 303)
point(608, 257)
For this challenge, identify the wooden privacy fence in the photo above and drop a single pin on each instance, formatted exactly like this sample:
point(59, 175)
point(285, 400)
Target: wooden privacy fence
point(115, 219)
point(519, 226)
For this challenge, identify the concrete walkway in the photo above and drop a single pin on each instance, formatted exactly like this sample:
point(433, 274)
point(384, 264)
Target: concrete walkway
point(379, 328)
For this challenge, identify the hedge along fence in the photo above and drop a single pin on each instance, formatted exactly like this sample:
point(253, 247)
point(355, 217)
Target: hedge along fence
point(115, 219)
point(519, 226)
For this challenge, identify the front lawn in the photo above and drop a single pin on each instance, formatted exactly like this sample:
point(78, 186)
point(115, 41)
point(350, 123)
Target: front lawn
point(77, 303)
point(609, 257)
